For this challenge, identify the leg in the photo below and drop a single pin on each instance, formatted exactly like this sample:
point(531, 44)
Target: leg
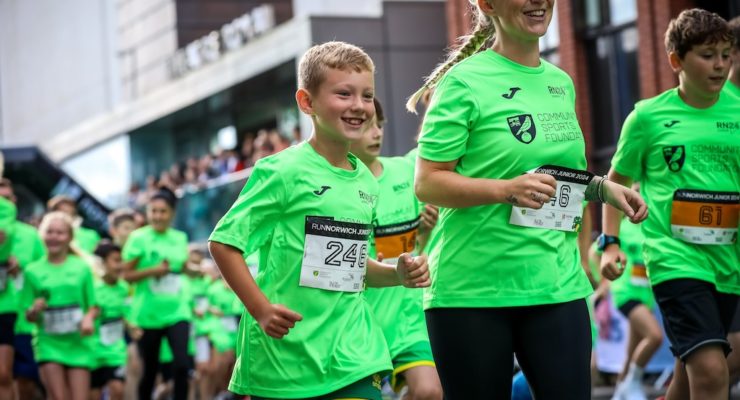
point(54, 380)
point(115, 389)
point(678, 389)
point(178, 336)
point(423, 383)
point(707, 371)
point(553, 346)
point(473, 351)
point(79, 383)
point(733, 360)
point(7, 336)
point(133, 371)
point(648, 333)
point(149, 344)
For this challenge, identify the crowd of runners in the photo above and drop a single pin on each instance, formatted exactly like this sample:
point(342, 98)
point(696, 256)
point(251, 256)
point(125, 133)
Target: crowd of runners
point(341, 274)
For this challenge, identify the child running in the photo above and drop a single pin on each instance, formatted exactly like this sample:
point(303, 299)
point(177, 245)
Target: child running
point(683, 147)
point(309, 333)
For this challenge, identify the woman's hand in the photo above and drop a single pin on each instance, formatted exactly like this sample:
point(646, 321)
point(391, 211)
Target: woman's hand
point(530, 190)
point(626, 200)
point(87, 325)
point(39, 305)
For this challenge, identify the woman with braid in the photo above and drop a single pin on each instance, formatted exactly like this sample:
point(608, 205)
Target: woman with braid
point(502, 154)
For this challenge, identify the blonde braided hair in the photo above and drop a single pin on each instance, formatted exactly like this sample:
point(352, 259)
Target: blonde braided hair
point(469, 45)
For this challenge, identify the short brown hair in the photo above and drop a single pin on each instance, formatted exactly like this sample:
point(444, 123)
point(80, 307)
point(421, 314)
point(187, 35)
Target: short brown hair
point(55, 202)
point(695, 27)
point(379, 114)
point(117, 217)
point(337, 55)
point(734, 25)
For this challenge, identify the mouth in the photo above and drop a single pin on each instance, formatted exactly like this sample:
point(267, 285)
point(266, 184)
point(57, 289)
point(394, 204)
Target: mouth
point(374, 147)
point(717, 79)
point(354, 122)
point(538, 14)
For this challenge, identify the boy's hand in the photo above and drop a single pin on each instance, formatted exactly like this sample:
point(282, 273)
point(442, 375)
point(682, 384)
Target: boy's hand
point(276, 320)
point(612, 262)
point(413, 271)
point(87, 325)
point(429, 216)
point(162, 270)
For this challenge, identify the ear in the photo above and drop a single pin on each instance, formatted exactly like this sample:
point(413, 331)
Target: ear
point(486, 7)
point(304, 101)
point(675, 61)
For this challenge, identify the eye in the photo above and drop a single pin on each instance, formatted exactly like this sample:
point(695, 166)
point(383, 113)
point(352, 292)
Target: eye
point(343, 93)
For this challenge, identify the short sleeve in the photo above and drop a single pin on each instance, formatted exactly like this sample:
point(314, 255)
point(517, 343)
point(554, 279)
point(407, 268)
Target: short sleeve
point(448, 121)
point(89, 289)
point(132, 249)
point(250, 221)
point(630, 155)
point(28, 293)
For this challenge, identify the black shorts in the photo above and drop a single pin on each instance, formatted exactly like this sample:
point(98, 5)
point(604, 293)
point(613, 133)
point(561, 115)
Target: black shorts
point(735, 326)
point(101, 376)
point(694, 314)
point(628, 306)
point(7, 328)
point(24, 362)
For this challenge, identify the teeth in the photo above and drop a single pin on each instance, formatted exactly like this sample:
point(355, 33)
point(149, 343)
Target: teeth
point(537, 13)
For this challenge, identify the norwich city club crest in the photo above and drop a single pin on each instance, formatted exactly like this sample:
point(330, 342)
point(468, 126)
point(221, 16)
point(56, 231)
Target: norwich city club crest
point(522, 127)
point(674, 156)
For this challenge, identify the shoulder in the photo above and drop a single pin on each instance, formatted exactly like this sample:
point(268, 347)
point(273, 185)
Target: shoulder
point(25, 229)
point(177, 234)
point(143, 232)
point(397, 163)
point(663, 100)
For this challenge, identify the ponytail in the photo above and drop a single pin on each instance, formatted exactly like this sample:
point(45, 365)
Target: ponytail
point(469, 45)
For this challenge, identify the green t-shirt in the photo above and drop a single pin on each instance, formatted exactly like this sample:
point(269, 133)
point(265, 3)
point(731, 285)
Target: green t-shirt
point(295, 200)
point(27, 248)
point(69, 292)
point(110, 325)
point(634, 283)
point(199, 287)
point(732, 89)
point(159, 302)
point(86, 239)
point(8, 212)
point(398, 309)
point(500, 119)
point(693, 156)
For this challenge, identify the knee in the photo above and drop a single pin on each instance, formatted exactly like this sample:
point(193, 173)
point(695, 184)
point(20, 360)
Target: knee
point(708, 373)
point(655, 336)
point(424, 391)
point(115, 390)
point(6, 375)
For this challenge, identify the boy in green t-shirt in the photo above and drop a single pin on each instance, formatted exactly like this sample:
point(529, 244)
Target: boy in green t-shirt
point(398, 229)
point(733, 81)
point(309, 210)
point(683, 145)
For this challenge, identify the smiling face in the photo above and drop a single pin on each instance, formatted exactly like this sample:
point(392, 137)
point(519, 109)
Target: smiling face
point(703, 69)
point(522, 20)
point(159, 214)
point(113, 264)
point(57, 236)
point(342, 106)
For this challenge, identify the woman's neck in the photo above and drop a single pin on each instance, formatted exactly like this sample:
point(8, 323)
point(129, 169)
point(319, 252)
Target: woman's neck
point(58, 258)
point(524, 53)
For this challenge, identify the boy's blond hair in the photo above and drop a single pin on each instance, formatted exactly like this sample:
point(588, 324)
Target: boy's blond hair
point(695, 27)
point(336, 55)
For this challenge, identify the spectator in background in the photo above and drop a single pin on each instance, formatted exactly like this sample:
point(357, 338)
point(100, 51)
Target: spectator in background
point(245, 152)
point(121, 223)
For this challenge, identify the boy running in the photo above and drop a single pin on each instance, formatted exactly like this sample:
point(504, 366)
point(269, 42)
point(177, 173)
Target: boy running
point(309, 210)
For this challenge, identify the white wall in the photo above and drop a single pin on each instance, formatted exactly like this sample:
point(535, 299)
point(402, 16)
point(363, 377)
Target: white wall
point(56, 66)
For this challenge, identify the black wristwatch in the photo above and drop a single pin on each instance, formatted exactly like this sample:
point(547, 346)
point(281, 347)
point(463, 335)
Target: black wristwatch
point(605, 240)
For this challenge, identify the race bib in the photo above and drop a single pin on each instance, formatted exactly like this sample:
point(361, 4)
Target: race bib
point(230, 323)
point(394, 240)
point(639, 275)
point(201, 304)
point(168, 284)
point(111, 331)
point(564, 211)
point(705, 217)
point(62, 320)
point(335, 255)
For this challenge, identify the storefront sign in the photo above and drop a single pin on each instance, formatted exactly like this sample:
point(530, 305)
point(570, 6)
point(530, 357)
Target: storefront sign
point(230, 37)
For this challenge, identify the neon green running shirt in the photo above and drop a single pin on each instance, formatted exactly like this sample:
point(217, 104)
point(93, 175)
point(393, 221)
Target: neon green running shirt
point(688, 163)
point(311, 222)
point(69, 293)
point(27, 248)
point(8, 212)
point(110, 325)
point(398, 309)
point(500, 119)
point(159, 302)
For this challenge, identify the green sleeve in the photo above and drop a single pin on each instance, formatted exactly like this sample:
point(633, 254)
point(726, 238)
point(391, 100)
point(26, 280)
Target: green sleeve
point(629, 159)
point(89, 288)
point(132, 249)
point(251, 220)
point(452, 112)
point(38, 249)
point(28, 294)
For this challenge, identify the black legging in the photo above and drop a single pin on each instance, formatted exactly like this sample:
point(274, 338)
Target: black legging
point(149, 345)
point(474, 350)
